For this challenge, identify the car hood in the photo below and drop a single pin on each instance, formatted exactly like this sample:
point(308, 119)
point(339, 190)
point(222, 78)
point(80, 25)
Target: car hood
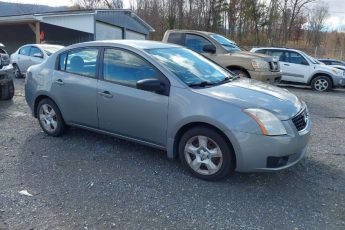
point(247, 93)
point(327, 68)
point(250, 55)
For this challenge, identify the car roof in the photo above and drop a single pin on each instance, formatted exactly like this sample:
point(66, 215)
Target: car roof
point(43, 45)
point(138, 44)
point(276, 48)
point(192, 31)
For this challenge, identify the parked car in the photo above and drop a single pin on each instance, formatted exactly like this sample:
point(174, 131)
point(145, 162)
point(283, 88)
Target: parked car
point(332, 62)
point(226, 53)
point(6, 75)
point(170, 98)
point(29, 55)
point(300, 68)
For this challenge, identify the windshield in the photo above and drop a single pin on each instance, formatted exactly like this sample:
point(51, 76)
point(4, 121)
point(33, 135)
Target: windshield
point(189, 66)
point(226, 43)
point(51, 49)
point(311, 59)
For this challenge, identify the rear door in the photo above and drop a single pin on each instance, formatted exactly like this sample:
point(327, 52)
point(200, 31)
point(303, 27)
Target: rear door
point(74, 86)
point(125, 110)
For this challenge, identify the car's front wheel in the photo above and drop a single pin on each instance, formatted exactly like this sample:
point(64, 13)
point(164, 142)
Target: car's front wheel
point(321, 84)
point(50, 118)
point(206, 154)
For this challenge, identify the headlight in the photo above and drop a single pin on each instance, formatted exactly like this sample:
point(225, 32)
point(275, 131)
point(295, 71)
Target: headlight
point(338, 72)
point(260, 64)
point(269, 124)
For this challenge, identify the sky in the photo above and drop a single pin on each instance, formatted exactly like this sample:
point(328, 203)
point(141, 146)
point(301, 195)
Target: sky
point(335, 20)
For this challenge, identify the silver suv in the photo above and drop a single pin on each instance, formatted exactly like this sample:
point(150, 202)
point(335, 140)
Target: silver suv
point(171, 98)
point(298, 67)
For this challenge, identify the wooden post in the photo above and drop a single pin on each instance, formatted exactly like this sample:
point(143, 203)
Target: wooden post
point(38, 32)
point(36, 28)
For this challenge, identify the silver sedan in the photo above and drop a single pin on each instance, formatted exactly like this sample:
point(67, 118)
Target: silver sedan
point(170, 98)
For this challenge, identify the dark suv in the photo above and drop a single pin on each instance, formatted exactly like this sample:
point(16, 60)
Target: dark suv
point(6, 75)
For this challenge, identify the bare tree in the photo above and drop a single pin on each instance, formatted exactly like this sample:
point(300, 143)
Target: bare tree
point(316, 23)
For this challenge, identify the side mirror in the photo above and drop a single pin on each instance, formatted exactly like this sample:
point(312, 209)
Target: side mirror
point(153, 85)
point(209, 49)
point(38, 55)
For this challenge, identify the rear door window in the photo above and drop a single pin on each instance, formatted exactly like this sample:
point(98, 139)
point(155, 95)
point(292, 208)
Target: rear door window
point(81, 61)
point(278, 54)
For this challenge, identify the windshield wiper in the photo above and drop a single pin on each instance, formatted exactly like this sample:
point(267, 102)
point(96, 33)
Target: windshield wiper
point(225, 80)
point(201, 84)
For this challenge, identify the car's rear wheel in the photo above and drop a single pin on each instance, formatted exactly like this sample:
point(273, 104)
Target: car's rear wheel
point(206, 154)
point(7, 91)
point(321, 84)
point(17, 73)
point(50, 118)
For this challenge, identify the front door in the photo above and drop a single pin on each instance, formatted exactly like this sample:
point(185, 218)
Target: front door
point(125, 110)
point(295, 68)
point(74, 86)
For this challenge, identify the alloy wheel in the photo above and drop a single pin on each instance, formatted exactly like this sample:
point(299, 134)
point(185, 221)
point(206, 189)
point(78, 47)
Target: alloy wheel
point(203, 155)
point(48, 118)
point(321, 85)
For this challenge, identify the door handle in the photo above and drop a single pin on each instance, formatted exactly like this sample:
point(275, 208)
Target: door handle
point(59, 82)
point(287, 64)
point(106, 94)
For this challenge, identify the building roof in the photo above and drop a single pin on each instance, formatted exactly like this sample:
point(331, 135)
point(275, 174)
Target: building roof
point(39, 17)
point(138, 44)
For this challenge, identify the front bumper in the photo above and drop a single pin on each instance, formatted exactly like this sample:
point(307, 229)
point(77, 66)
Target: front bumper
point(259, 153)
point(339, 81)
point(266, 76)
point(6, 74)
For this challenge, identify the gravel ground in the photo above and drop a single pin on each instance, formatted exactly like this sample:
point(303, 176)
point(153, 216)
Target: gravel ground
point(85, 180)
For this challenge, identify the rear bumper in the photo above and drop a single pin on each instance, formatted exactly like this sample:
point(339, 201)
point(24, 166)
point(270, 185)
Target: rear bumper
point(269, 77)
point(259, 153)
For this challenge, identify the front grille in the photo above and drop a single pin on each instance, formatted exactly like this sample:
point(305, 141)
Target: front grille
point(274, 66)
point(300, 120)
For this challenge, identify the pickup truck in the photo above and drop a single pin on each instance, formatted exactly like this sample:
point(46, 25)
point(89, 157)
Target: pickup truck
point(227, 54)
point(6, 75)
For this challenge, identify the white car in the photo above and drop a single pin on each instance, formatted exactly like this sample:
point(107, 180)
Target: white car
point(31, 54)
point(300, 68)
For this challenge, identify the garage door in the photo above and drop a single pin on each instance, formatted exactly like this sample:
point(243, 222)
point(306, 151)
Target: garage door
point(107, 32)
point(134, 35)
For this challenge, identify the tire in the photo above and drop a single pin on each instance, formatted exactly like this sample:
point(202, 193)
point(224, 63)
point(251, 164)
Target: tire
point(7, 91)
point(241, 73)
point(50, 118)
point(321, 84)
point(198, 145)
point(17, 73)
